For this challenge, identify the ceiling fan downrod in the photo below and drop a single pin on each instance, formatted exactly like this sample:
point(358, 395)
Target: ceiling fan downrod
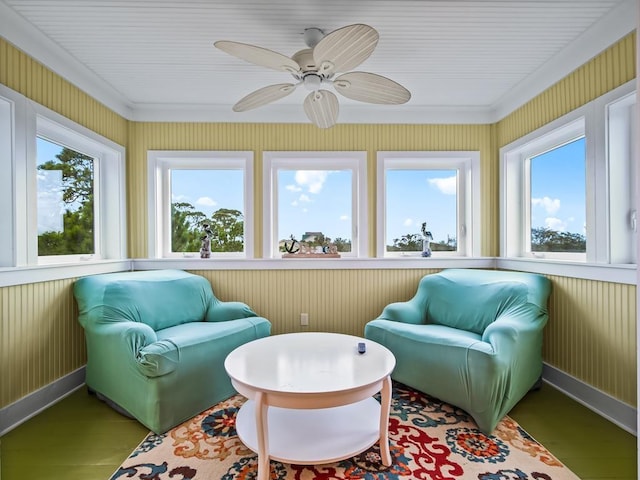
point(312, 36)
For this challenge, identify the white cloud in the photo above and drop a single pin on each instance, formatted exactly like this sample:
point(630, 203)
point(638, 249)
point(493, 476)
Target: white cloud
point(550, 205)
point(50, 204)
point(556, 224)
point(293, 188)
point(408, 222)
point(313, 180)
point(446, 185)
point(294, 203)
point(344, 217)
point(178, 198)
point(206, 202)
point(304, 198)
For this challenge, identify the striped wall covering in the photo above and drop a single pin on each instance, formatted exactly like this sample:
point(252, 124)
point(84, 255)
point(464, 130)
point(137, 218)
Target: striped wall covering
point(40, 337)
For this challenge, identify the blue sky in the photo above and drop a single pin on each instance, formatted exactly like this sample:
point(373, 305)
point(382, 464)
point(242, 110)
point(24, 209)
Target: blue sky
point(417, 196)
point(558, 189)
point(208, 190)
point(50, 205)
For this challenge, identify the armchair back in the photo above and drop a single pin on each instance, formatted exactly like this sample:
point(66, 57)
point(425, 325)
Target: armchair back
point(472, 300)
point(160, 299)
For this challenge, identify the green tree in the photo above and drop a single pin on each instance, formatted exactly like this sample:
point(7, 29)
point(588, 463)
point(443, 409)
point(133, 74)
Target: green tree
point(186, 227)
point(228, 230)
point(411, 242)
point(548, 240)
point(342, 244)
point(77, 236)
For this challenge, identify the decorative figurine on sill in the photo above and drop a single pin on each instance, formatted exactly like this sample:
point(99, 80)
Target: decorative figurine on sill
point(205, 247)
point(426, 240)
point(293, 247)
point(205, 241)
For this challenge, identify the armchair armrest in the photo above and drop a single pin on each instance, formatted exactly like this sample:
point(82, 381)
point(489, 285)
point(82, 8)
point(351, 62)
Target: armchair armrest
point(219, 311)
point(405, 312)
point(508, 331)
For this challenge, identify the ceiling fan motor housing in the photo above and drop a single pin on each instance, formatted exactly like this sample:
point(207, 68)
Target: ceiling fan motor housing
point(304, 58)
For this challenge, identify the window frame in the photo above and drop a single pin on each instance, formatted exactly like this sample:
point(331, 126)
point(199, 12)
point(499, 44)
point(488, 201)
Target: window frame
point(592, 119)
point(29, 119)
point(467, 163)
point(159, 165)
point(356, 161)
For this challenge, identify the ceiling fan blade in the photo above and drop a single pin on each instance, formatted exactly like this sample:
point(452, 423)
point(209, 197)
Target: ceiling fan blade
point(371, 88)
point(263, 96)
point(345, 48)
point(322, 108)
point(258, 56)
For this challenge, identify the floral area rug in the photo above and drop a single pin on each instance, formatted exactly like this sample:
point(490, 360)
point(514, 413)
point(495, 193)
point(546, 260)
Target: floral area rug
point(429, 440)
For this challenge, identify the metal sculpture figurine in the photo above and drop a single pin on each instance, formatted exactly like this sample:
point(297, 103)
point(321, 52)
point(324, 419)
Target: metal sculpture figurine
point(426, 240)
point(205, 241)
point(294, 247)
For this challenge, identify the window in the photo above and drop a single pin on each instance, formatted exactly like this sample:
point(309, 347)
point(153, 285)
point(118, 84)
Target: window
point(430, 194)
point(60, 179)
point(197, 197)
point(315, 197)
point(65, 200)
point(568, 188)
point(79, 191)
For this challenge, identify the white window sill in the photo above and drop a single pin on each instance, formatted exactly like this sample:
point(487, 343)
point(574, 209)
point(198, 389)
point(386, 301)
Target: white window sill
point(313, 263)
point(626, 274)
point(589, 271)
point(44, 273)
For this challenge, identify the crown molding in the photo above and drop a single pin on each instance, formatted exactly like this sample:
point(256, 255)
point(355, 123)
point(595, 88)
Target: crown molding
point(604, 33)
point(16, 30)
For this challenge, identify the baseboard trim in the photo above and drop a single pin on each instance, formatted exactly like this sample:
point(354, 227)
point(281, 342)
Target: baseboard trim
point(620, 413)
point(22, 410)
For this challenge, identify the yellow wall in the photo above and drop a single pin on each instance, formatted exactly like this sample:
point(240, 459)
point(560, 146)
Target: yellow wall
point(40, 337)
point(591, 334)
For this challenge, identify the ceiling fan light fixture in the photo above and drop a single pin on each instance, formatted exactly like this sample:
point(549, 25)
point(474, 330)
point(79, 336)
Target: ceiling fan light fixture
point(312, 81)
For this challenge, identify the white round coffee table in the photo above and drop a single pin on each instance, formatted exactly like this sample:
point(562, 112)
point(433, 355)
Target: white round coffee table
point(310, 397)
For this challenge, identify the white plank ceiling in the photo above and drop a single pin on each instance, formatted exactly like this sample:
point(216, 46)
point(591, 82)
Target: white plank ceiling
point(158, 55)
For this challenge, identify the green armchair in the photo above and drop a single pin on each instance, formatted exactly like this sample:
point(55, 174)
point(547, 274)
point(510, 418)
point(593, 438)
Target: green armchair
point(157, 341)
point(472, 338)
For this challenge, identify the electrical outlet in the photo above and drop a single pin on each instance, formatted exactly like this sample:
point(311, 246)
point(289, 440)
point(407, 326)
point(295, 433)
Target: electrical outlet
point(304, 319)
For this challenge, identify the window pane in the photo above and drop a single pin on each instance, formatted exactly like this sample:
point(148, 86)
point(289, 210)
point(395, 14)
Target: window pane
point(65, 187)
point(315, 206)
point(207, 197)
point(558, 199)
point(417, 196)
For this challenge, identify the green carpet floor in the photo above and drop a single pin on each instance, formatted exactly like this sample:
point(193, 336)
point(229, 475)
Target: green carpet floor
point(82, 438)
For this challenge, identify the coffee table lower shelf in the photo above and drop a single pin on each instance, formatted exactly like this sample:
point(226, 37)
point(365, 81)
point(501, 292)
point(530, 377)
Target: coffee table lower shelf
point(313, 436)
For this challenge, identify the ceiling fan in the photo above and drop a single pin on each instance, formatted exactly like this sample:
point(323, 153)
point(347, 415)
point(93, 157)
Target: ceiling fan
point(316, 67)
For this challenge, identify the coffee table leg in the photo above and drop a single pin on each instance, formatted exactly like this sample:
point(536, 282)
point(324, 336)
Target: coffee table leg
point(263, 435)
point(385, 408)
